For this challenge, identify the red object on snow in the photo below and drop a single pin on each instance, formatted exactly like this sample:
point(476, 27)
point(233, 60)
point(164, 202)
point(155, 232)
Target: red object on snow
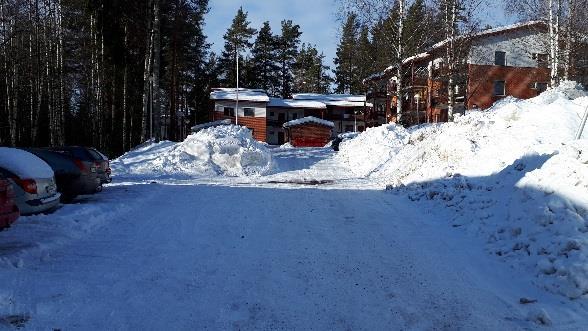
point(8, 209)
point(309, 132)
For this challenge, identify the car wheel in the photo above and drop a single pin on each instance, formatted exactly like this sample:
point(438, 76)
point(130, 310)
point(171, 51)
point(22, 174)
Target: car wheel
point(67, 198)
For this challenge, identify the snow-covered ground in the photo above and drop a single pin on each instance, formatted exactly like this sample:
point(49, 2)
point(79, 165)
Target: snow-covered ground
point(483, 226)
point(514, 176)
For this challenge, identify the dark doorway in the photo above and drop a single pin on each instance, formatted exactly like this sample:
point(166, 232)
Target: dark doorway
point(281, 138)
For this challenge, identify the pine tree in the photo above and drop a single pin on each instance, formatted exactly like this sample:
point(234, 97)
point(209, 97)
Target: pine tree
point(184, 52)
point(287, 51)
point(311, 75)
point(418, 34)
point(364, 60)
point(346, 74)
point(237, 40)
point(265, 67)
point(383, 34)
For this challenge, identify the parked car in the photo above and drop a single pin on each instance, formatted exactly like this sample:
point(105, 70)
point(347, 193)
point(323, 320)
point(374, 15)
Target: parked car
point(341, 138)
point(72, 176)
point(8, 209)
point(93, 160)
point(104, 164)
point(32, 179)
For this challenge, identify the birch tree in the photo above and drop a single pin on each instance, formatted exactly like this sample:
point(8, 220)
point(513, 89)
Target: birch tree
point(373, 11)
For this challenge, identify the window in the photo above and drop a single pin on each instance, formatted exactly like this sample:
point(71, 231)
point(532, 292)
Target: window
point(348, 128)
point(380, 108)
point(229, 111)
point(500, 58)
point(271, 114)
point(249, 112)
point(583, 61)
point(294, 116)
point(541, 87)
point(499, 88)
point(542, 60)
point(281, 117)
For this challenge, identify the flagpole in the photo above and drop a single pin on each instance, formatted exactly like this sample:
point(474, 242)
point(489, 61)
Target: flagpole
point(237, 103)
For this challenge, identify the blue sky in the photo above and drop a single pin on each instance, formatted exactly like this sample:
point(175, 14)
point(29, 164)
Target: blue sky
point(317, 18)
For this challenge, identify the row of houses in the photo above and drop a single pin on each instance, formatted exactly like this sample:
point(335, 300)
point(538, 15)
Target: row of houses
point(506, 61)
point(266, 116)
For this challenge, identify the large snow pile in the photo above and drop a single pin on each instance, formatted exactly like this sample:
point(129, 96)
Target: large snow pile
point(224, 150)
point(367, 152)
point(513, 174)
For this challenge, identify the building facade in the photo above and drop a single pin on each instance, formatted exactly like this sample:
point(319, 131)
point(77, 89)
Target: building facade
point(266, 116)
point(506, 61)
point(251, 111)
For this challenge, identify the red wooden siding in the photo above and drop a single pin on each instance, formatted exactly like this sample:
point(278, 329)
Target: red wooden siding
point(309, 135)
point(257, 124)
point(519, 83)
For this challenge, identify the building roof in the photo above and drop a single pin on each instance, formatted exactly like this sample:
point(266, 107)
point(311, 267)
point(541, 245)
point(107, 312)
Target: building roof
point(292, 103)
point(253, 95)
point(308, 120)
point(443, 43)
point(339, 100)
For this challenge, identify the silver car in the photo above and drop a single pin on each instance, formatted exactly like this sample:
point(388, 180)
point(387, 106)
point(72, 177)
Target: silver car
point(36, 191)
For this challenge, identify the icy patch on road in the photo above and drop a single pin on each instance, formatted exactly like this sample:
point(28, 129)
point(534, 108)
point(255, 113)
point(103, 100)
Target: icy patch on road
point(219, 151)
point(513, 175)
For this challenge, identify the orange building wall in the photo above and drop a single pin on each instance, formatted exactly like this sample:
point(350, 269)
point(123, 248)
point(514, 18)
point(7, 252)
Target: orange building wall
point(257, 124)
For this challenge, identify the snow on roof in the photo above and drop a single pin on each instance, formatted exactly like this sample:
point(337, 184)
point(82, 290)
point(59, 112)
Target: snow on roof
point(308, 119)
point(338, 100)
point(203, 126)
point(329, 97)
point(343, 103)
point(292, 103)
point(252, 95)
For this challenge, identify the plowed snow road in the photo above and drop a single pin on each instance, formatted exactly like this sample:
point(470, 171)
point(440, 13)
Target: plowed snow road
point(169, 257)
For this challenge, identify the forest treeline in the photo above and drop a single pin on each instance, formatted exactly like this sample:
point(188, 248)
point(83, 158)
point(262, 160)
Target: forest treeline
point(114, 73)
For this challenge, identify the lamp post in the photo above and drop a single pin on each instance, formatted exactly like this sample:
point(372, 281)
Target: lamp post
point(237, 102)
point(417, 97)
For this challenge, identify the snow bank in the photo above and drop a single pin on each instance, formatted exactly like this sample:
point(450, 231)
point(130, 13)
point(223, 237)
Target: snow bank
point(367, 152)
point(24, 164)
point(513, 175)
point(219, 151)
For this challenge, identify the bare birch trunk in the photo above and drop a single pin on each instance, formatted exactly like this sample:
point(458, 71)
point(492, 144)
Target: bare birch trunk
point(124, 98)
point(552, 44)
point(571, 7)
point(156, 68)
point(61, 114)
point(451, 20)
point(146, 75)
point(400, 56)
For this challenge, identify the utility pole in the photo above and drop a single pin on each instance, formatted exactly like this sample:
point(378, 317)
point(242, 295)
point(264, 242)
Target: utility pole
point(237, 103)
